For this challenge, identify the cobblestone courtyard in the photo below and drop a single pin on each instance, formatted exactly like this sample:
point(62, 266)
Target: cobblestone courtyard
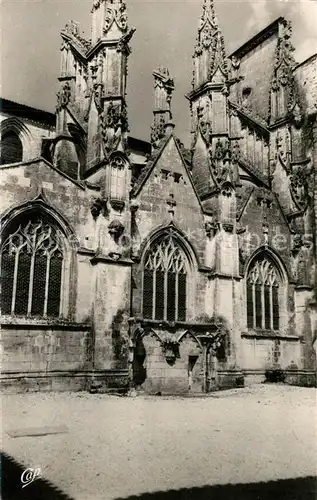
point(115, 447)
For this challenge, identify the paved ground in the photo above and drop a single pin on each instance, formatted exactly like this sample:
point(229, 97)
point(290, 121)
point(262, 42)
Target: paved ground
point(118, 446)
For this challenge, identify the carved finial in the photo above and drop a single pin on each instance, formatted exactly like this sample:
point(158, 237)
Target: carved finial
point(208, 13)
point(283, 94)
point(210, 42)
point(163, 89)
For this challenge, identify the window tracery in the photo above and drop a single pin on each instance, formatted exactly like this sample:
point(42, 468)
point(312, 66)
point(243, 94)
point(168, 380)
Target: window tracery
point(32, 265)
point(263, 283)
point(165, 281)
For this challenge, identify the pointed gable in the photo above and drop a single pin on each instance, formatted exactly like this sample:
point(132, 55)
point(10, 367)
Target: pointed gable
point(168, 169)
point(167, 194)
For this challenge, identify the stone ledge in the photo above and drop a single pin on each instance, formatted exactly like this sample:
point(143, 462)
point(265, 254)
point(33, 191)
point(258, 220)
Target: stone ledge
point(268, 334)
point(59, 381)
point(107, 259)
point(56, 324)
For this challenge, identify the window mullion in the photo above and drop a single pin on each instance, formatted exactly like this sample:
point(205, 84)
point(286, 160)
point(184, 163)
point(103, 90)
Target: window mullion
point(165, 293)
point(15, 277)
point(271, 307)
point(262, 307)
point(254, 307)
point(154, 294)
point(47, 277)
point(31, 282)
point(176, 295)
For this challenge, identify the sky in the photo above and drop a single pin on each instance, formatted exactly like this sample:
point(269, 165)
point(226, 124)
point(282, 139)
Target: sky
point(165, 36)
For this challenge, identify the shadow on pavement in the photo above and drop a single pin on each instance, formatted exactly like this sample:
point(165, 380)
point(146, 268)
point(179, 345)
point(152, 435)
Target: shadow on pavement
point(304, 488)
point(11, 485)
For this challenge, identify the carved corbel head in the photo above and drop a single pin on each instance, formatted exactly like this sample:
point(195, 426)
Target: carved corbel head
point(99, 205)
point(116, 229)
point(211, 229)
point(297, 242)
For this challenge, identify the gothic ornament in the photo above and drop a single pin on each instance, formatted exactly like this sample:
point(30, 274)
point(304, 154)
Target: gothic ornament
point(98, 95)
point(297, 241)
point(116, 229)
point(284, 60)
point(116, 13)
point(211, 229)
point(227, 227)
point(299, 187)
point(206, 130)
point(64, 96)
point(210, 41)
point(98, 205)
point(113, 122)
point(223, 160)
point(226, 189)
point(157, 132)
point(72, 29)
point(170, 347)
point(297, 116)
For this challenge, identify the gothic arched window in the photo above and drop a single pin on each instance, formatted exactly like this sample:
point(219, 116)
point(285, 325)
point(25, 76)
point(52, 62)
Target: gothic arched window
point(263, 285)
point(165, 281)
point(11, 148)
point(32, 265)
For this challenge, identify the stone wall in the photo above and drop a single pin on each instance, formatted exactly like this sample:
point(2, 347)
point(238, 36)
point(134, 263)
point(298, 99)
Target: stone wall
point(254, 69)
point(40, 352)
point(31, 136)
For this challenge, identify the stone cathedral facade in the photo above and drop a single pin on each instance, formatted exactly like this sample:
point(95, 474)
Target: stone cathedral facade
point(128, 263)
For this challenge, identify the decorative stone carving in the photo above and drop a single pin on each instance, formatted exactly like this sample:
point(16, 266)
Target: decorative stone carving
point(299, 187)
point(116, 229)
point(134, 206)
point(227, 189)
point(228, 227)
point(235, 62)
point(117, 205)
point(98, 95)
point(297, 241)
point(123, 44)
point(99, 205)
point(211, 229)
point(163, 89)
point(284, 60)
point(63, 97)
point(73, 30)
point(264, 198)
point(223, 162)
point(116, 12)
point(157, 132)
point(113, 123)
point(265, 230)
point(297, 116)
point(240, 229)
point(171, 203)
point(170, 347)
point(206, 130)
point(210, 40)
